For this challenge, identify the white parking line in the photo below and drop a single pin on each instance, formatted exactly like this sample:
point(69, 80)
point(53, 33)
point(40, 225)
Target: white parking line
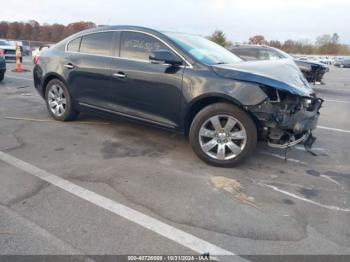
point(334, 129)
point(282, 157)
point(302, 148)
point(19, 77)
point(331, 89)
point(337, 101)
point(185, 239)
point(336, 208)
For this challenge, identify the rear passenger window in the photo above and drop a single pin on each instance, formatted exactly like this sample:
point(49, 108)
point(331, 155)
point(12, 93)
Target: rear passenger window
point(74, 45)
point(138, 46)
point(97, 43)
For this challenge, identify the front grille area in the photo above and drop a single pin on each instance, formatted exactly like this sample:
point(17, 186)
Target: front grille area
point(10, 52)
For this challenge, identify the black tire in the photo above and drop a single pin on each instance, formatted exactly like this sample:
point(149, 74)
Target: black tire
point(2, 76)
point(228, 110)
point(70, 113)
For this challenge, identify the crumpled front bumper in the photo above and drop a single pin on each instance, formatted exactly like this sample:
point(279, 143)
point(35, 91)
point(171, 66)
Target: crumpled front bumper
point(283, 128)
point(303, 120)
point(298, 127)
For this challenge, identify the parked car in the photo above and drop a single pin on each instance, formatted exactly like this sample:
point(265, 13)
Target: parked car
point(26, 47)
point(2, 65)
point(180, 82)
point(325, 60)
point(312, 70)
point(342, 63)
point(9, 50)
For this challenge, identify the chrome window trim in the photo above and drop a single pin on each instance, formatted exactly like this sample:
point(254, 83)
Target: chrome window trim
point(189, 65)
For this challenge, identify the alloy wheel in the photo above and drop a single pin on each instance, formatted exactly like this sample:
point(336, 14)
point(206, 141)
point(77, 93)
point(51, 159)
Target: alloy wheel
point(57, 100)
point(222, 137)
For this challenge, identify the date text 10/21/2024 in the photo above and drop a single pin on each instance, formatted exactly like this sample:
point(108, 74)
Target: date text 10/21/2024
point(204, 257)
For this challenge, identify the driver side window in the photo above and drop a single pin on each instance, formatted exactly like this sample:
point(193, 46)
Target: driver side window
point(134, 45)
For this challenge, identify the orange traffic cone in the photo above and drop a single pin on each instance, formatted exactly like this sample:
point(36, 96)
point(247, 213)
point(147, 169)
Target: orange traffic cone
point(18, 60)
point(18, 66)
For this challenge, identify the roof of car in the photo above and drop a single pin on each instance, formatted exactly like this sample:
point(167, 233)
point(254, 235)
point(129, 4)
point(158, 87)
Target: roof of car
point(117, 27)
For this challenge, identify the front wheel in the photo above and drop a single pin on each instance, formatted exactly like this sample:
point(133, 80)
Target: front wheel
point(59, 102)
point(2, 76)
point(223, 135)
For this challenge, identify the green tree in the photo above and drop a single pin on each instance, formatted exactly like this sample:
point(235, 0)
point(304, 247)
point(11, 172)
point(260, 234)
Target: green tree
point(219, 37)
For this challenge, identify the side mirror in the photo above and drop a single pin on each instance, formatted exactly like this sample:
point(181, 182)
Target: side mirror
point(163, 56)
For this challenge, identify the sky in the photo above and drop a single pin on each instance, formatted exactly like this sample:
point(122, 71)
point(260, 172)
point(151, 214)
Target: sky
point(274, 19)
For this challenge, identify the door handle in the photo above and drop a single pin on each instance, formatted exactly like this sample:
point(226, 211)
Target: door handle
point(120, 75)
point(69, 66)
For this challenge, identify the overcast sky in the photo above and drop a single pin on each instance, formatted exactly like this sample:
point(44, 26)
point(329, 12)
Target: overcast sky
point(239, 19)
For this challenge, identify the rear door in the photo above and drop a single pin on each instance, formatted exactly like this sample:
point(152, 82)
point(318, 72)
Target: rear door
point(87, 64)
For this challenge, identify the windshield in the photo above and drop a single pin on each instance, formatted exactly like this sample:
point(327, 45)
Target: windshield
point(204, 50)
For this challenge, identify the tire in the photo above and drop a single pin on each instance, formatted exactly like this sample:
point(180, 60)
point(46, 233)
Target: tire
point(56, 93)
point(2, 76)
point(202, 125)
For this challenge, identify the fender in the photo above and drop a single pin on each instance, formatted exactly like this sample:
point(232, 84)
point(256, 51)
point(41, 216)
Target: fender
point(241, 94)
point(241, 97)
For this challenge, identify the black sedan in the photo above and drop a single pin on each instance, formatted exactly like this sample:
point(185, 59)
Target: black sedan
point(312, 70)
point(180, 82)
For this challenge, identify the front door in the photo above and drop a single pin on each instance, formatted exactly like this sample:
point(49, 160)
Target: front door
point(141, 89)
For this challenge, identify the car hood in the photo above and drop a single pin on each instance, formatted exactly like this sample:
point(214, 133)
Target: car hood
point(281, 74)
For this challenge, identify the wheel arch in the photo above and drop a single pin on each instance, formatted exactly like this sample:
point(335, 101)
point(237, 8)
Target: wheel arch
point(49, 77)
point(203, 101)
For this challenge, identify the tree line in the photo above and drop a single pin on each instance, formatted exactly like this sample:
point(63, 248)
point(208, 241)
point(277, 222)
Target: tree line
point(34, 31)
point(324, 45)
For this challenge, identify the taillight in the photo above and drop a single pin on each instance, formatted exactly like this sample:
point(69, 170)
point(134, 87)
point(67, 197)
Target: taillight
point(2, 53)
point(36, 60)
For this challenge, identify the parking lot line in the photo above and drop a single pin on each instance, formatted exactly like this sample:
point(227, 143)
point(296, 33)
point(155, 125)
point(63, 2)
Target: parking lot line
point(282, 157)
point(183, 238)
point(336, 208)
point(334, 129)
point(337, 101)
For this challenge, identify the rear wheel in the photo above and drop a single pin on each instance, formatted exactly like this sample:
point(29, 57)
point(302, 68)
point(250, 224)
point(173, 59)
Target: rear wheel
point(59, 102)
point(223, 135)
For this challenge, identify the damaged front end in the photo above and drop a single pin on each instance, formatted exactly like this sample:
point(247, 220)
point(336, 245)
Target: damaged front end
point(287, 119)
